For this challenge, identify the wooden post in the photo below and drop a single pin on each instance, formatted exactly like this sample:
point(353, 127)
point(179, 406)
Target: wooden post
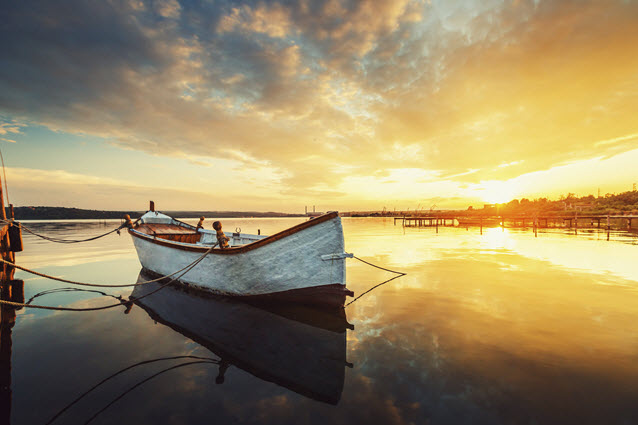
point(437, 224)
point(608, 227)
point(151, 206)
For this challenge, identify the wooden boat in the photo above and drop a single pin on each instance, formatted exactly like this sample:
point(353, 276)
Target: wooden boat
point(296, 347)
point(305, 263)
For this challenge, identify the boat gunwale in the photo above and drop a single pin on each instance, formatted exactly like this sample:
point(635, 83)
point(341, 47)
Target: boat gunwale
point(238, 249)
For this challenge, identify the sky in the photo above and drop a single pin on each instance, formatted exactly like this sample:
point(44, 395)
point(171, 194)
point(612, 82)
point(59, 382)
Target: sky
point(346, 105)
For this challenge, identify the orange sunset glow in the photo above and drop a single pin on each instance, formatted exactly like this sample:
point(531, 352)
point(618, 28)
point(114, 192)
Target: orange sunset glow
point(270, 106)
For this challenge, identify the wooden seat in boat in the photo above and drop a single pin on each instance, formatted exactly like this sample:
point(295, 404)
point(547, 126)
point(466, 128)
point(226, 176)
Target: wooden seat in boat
point(169, 232)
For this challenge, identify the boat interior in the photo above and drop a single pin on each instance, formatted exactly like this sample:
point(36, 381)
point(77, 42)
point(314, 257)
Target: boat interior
point(183, 233)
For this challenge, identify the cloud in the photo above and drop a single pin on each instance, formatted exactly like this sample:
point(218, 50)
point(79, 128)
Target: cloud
point(168, 8)
point(311, 88)
point(62, 188)
point(10, 127)
point(273, 21)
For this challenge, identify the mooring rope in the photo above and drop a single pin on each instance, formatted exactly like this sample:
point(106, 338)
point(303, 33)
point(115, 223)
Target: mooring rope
point(103, 381)
point(399, 274)
point(95, 285)
point(6, 188)
point(59, 240)
point(44, 307)
point(374, 287)
point(379, 267)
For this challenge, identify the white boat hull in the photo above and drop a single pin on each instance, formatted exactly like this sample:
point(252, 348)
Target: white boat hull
point(287, 263)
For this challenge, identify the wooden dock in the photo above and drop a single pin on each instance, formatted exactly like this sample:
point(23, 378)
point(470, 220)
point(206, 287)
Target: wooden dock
point(425, 221)
point(596, 221)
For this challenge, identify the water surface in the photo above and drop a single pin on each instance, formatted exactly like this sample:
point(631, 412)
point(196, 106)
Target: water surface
point(498, 328)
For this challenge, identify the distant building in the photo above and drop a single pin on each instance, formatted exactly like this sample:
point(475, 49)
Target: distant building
point(579, 206)
point(313, 213)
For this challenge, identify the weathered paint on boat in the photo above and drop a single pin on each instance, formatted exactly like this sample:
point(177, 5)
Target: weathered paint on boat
point(306, 261)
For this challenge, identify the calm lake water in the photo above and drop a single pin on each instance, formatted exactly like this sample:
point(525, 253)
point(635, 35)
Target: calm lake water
point(498, 328)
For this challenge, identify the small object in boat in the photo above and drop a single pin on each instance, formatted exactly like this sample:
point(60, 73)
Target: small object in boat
point(222, 239)
point(200, 224)
point(127, 221)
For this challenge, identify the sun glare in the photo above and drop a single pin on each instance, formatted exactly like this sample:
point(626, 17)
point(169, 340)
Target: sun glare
point(497, 192)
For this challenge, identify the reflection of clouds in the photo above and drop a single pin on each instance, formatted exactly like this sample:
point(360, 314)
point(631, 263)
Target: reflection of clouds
point(600, 257)
point(463, 362)
point(590, 253)
point(479, 332)
point(486, 327)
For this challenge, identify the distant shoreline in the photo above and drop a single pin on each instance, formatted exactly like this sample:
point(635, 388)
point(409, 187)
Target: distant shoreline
point(621, 203)
point(63, 213)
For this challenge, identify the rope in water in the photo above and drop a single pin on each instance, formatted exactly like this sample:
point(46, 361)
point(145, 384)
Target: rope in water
point(96, 285)
point(374, 287)
point(146, 380)
point(57, 290)
point(119, 372)
point(44, 307)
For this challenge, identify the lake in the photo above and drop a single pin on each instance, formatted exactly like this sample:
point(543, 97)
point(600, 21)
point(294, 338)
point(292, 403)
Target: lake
point(498, 328)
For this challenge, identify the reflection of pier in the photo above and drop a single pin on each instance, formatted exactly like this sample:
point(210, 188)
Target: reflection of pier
point(11, 290)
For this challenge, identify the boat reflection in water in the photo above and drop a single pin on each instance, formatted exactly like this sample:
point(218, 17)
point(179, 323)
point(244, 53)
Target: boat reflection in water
point(297, 347)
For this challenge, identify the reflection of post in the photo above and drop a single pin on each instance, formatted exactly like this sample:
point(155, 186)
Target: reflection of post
point(223, 367)
point(7, 321)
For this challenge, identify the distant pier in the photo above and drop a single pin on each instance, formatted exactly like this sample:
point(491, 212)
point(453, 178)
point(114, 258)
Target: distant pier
point(426, 221)
point(599, 221)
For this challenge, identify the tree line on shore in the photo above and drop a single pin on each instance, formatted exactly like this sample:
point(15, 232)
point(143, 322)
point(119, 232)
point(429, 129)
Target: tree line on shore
point(621, 203)
point(63, 213)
